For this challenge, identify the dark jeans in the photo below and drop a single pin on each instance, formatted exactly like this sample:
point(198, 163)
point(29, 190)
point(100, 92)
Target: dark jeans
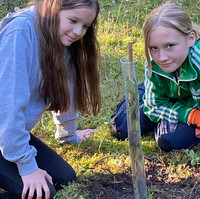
point(168, 135)
point(47, 159)
point(171, 136)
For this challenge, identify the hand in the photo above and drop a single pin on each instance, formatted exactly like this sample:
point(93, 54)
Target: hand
point(197, 132)
point(194, 118)
point(36, 181)
point(85, 134)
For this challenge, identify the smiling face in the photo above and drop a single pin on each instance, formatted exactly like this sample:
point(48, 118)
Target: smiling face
point(74, 24)
point(169, 48)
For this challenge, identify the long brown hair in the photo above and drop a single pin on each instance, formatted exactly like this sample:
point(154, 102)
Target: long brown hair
point(83, 54)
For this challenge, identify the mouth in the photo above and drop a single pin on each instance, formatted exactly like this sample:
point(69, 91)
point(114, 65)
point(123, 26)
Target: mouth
point(72, 39)
point(166, 64)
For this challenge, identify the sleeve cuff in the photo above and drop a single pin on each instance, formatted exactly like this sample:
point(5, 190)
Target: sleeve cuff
point(78, 139)
point(28, 168)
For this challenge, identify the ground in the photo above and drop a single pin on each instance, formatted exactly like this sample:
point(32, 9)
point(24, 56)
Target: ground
point(160, 184)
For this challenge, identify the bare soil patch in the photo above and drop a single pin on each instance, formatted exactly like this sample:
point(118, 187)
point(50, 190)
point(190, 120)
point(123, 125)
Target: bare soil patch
point(160, 184)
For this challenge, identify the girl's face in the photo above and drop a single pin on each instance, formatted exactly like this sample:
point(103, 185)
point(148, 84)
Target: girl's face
point(169, 48)
point(74, 24)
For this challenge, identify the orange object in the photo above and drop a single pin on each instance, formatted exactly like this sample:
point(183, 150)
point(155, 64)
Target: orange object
point(194, 118)
point(197, 132)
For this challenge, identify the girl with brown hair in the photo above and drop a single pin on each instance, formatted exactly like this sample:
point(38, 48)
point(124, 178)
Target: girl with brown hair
point(49, 61)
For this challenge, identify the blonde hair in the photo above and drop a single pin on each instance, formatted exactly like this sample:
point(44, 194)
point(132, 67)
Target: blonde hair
point(170, 15)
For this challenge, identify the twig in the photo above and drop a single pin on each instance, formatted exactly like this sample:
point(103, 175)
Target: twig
point(101, 143)
point(194, 187)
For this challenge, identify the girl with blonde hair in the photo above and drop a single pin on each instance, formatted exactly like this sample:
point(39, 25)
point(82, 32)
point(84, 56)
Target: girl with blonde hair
point(172, 80)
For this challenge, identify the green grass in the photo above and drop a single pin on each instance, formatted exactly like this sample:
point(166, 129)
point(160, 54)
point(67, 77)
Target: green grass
point(119, 23)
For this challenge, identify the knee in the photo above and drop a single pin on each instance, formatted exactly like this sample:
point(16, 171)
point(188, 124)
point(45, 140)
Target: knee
point(165, 143)
point(165, 136)
point(73, 176)
point(66, 175)
point(178, 136)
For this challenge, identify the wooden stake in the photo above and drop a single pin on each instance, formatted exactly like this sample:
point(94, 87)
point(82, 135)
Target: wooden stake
point(130, 51)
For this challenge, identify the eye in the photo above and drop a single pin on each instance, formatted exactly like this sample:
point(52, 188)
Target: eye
point(153, 48)
point(72, 21)
point(170, 45)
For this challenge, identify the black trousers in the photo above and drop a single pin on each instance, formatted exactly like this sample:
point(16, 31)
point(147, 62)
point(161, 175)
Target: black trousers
point(47, 159)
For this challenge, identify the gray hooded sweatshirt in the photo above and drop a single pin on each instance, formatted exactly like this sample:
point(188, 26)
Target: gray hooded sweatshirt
point(21, 106)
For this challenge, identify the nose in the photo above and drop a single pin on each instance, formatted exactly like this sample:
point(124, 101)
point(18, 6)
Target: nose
point(78, 30)
point(163, 55)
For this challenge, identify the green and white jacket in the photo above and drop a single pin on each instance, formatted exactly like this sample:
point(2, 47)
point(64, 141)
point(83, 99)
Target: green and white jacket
point(169, 98)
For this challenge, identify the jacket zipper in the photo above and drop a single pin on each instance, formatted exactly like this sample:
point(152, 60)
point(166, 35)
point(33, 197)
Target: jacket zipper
point(178, 83)
point(179, 89)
